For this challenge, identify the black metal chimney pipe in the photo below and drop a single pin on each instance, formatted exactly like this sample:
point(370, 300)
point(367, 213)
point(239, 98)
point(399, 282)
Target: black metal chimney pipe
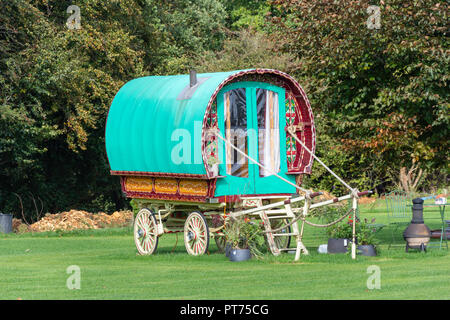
point(417, 210)
point(192, 78)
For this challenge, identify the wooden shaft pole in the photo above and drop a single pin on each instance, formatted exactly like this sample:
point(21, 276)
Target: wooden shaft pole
point(320, 161)
point(354, 205)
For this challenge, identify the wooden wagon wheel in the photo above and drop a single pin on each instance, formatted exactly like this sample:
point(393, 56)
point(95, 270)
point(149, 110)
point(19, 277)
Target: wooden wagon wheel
point(196, 234)
point(282, 242)
point(145, 232)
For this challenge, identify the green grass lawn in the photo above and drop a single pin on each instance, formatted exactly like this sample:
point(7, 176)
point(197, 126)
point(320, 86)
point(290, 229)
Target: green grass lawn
point(33, 266)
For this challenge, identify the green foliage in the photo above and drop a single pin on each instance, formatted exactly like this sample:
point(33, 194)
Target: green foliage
point(347, 165)
point(331, 213)
point(242, 233)
point(56, 86)
point(190, 28)
point(247, 49)
point(327, 214)
point(245, 14)
point(134, 203)
point(381, 95)
point(366, 233)
point(340, 231)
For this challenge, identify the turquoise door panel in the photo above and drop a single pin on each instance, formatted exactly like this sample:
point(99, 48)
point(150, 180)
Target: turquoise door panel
point(253, 183)
point(271, 183)
point(232, 185)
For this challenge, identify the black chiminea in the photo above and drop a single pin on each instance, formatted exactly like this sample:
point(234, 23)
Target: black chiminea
point(417, 234)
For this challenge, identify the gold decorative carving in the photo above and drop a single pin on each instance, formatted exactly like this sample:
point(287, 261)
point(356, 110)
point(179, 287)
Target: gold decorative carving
point(193, 187)
point(167, 186)
point(139, 184)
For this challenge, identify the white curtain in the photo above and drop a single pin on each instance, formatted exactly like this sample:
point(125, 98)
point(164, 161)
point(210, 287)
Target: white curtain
point(270, 154)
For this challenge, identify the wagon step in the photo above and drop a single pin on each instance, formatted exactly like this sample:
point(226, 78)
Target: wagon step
point(275, 211)
point(278, 217)
point(270, 240)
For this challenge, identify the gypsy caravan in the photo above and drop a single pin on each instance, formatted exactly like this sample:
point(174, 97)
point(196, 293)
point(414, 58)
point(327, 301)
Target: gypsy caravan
point(196, 150)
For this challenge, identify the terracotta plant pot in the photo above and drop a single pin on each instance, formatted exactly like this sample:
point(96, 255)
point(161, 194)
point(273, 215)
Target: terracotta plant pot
point(337, 245)
point(367, 250)
point(237, 255)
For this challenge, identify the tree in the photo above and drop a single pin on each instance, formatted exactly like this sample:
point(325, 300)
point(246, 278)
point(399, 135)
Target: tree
point(56, 86)
point(248, 48)
point(369, 85)
point(244, 14)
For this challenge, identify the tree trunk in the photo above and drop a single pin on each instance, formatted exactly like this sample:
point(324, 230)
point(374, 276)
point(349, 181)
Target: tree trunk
point(409, 179)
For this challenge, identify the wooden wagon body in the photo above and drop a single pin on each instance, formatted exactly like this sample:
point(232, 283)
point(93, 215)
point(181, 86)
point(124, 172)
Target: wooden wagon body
point(191, 148)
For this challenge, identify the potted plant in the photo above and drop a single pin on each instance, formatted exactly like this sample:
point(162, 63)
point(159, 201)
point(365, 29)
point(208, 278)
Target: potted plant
point(366, 238)
point(339, 236)
point(245, 239)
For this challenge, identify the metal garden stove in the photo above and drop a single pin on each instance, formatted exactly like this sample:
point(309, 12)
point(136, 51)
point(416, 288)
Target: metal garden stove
point(417, 234)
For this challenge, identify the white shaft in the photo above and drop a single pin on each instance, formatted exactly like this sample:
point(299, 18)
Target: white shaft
point(318, 160)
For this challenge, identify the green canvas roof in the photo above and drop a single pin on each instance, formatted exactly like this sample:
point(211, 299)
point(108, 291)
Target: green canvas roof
point(150, 116)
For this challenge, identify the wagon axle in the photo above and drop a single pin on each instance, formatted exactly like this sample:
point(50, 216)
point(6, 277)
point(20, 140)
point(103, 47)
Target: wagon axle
point(190, 236)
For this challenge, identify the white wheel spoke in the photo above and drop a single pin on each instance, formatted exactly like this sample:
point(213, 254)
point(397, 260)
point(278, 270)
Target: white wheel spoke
point(202, 240)
point(191, 229)
point(196, 234)
point(144, 246)
point(145, 237)
point(147, 220)
point(141, 220)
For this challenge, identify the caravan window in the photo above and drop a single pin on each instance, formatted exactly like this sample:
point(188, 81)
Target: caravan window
point(268, 131)
point(235, 107)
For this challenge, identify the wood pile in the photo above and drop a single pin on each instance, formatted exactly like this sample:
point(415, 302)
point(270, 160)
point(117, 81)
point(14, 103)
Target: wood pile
point(19, 227)
point(77, 219)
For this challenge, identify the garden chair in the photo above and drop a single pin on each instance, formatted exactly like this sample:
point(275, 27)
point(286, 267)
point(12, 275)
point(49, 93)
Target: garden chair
point(399, 214)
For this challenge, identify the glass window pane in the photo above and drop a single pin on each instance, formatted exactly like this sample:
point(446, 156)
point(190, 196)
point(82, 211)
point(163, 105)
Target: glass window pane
point(235, 108)
point(268, 131)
